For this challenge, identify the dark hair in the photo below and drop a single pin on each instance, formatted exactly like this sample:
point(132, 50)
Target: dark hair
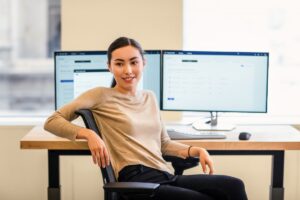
point(119, 43)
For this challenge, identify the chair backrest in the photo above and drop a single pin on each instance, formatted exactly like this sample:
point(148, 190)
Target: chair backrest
point(90, 123)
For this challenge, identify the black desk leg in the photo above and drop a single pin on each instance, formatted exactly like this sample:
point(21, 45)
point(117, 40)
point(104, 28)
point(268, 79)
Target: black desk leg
point(53, 175)
point(277, 189)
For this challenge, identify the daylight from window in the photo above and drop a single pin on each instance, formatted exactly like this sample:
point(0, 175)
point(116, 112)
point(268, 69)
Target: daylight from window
point(267, 26)
point(29, 33)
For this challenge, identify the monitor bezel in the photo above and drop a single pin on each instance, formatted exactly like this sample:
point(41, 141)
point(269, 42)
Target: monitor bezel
point(155, 51)
point(211, 53)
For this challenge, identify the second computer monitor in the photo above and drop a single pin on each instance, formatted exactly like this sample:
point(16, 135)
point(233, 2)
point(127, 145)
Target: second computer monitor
point(214, 81)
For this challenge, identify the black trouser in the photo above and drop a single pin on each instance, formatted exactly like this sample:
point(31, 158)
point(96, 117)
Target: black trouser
point(187, 187)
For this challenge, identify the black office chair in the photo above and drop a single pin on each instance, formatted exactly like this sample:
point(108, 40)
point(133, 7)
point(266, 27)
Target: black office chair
point(112, 188)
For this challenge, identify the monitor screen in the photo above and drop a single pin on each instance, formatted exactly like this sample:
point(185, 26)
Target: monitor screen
point(214, 81)
point(85, 79)
point(78, 71)
point(67, 65)
point(151, 74)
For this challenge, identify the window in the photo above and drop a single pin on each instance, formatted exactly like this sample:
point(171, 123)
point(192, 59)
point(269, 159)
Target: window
point(255, 25)
point(29, 33)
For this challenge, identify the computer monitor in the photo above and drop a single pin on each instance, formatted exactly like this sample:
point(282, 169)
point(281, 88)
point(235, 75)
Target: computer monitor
point(78, 71)
point(67, 66)
point(151, 74)
point(214, 82)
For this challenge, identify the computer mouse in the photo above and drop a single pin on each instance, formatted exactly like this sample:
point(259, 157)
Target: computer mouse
point(244, 136)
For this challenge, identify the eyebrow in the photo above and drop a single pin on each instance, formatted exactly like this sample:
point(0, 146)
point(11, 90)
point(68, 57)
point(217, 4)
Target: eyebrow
point(119, 59)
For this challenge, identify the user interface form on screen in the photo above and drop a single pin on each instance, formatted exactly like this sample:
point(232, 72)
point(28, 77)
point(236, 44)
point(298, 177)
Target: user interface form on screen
point(215, 81)
point(79, 71)
point(85, 79)
point(77, 64)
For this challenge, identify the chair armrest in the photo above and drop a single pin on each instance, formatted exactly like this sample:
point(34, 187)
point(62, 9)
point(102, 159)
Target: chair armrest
point(181, 164)
point(131, 187)
point(181, 160)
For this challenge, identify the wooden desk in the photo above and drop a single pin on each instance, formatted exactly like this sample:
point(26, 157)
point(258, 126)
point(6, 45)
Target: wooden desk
point(265, 140)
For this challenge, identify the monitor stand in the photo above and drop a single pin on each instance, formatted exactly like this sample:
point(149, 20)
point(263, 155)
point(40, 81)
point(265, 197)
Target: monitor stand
point(212, 124)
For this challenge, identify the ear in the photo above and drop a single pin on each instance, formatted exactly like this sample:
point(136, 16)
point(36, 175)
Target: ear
point(109, 67)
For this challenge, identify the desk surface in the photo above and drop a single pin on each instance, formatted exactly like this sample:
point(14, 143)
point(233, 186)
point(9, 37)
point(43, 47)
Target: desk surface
point(264, 137)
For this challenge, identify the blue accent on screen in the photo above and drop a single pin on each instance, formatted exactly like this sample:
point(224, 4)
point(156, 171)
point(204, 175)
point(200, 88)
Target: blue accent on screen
point(66, 81)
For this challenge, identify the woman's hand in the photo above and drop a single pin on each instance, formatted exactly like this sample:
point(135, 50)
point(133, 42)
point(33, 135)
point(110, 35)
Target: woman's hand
point(96, 145)
point(204, 157)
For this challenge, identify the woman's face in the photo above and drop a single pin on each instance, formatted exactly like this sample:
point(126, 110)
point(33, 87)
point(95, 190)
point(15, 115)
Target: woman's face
point(127, 66)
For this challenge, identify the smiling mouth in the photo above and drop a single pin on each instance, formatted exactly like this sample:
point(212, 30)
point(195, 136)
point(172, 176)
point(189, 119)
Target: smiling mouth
point(128, 78)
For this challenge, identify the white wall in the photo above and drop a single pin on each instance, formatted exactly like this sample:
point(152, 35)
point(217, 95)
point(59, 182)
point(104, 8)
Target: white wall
point(23, 174)
point(94, 24)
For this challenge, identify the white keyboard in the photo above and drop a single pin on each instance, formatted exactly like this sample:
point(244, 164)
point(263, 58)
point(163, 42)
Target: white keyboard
point(187, 135)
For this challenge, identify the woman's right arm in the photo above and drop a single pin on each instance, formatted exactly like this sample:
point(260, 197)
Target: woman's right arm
point(96, 146)
point(59, 123)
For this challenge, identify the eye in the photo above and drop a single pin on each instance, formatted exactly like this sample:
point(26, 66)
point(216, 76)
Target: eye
point(135, 62)
point(119, 64)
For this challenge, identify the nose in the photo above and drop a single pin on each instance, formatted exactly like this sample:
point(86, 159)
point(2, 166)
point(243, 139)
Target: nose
point(127, 69)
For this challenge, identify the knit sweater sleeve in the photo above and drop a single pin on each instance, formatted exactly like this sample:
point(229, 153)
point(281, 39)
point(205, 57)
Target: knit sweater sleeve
point(59, 123)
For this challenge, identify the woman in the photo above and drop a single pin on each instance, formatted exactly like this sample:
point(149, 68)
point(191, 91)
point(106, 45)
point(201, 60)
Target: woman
point(134, 137)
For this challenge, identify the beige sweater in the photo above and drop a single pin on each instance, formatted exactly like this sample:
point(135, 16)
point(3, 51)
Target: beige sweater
point(131, 127)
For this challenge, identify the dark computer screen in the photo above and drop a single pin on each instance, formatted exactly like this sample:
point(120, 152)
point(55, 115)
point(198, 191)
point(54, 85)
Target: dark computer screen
point(214, 81)
point(78, 71)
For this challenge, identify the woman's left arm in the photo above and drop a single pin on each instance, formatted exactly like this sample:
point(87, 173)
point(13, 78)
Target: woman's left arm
point(204, 157)
point(174, 148)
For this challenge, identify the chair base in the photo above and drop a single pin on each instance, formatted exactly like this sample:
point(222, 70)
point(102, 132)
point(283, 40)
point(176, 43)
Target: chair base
point(276, 193)
point(53, 193)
